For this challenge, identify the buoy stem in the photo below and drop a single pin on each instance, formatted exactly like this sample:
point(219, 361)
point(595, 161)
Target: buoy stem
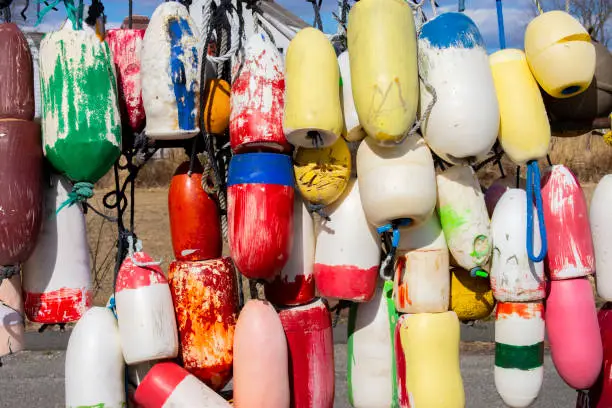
point(533, 191)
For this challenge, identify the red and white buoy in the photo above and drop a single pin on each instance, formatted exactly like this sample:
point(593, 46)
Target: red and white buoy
point(12, 328)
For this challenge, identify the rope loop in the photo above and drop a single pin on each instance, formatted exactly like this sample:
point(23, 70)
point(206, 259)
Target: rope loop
point(134, 247)
point(210, 17)
point(81, 192)
point(8, 271)
point(386, 267)
point(533, 191)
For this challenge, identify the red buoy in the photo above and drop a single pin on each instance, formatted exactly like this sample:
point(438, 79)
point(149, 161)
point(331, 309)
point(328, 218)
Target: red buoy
point(16, 75)
point(600, 395)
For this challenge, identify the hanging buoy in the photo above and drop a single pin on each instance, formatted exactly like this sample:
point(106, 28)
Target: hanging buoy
point(353, 131)
point(493, 194)
point(322, 175)
point(573, 332)
point(217, 107)
point(258, 97)
point(12, 327)
point(260, 358)
point(169, 385)
point(383, 61)
point(144, 310)
point(195, 225)
point(429, 373)
point(519, 352)
point(371, 372)
point(16, 74)
point(396, 183)
point(600, 218)
point(514, 277)
point(464, 217)
point(313, 115)
point(170, 73)
point(560, 53)
point(260, 193)
point(600, 394)
point(347, 253)
point(311, 354)
point(205, 296)
point(570, 246)
point(95, 368)
point(464, 120)
point(295, 284)
point(422, 278)
point(471, 299)
point(55, 292)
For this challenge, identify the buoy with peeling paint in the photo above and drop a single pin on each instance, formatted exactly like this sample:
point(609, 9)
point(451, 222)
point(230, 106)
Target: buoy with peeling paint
point(12, 327)
point(600, 219)
point(472, 299)
point(16, 74)
point(353, 131)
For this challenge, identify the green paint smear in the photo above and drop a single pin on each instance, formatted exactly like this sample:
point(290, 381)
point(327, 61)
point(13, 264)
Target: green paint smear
point(100, 405)
point(450, 220)
point(349, 360)
point(520, 357)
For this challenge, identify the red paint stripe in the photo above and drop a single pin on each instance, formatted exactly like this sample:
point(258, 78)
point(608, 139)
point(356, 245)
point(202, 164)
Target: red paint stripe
point(59, 306)
point(159, 383)
point(131, 276)
point(346, 281)
point(524, 310)
point(400, 361)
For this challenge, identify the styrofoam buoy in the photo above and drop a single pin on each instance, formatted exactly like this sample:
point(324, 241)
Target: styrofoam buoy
point(95, 368)
point(471, 299)
point(353, 131)
point(464, 121)
point(383, 61)
point(570, 246)
point(16, 74)
point(573, 332)
point(464, 217)
point(57, 276)
point(347, 252)
point(169, 385)
point(313, 115)
point(261, 377)
point(295, 284)
point(524, 131)
point(422, 278)
point(600, 218)
point(396, 183)
point(514, 277)
point(519, 352)
point(311, 354)
point(258, 97)
point(170, 73)
point(195, 225)
point(560, 53)
point(12, 327)
point(429, 373)
point(495, 191)
point(205, 296)
point(260, 193)
point(600, 394)
point(144, 310)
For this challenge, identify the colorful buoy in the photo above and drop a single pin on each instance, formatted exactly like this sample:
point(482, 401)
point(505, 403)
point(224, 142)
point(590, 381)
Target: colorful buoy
point(217, 106)
point(471, 299)
point(16, 74)
point(12, 327)
point(600, 394)
point(353, 131)
point(600, 218)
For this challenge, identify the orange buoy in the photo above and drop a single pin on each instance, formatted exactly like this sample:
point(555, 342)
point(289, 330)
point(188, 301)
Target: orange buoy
point(217, 108)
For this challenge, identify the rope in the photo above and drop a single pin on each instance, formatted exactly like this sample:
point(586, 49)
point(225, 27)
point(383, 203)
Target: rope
point(8, 271)
point(227, 8)
point(434, 8)
point(341, 17)
point(500, 24)
point(260, 25)
point(81, 191)
point(134, 247)
point(74, 14)
point(316, 6)
point(386, 266)
point(567, 6)
point(533, 190)
point(461, 6)
point(420, 17)
point(538, 6)
point(317, 209)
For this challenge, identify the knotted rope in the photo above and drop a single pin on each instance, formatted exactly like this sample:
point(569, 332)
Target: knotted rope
point(533, 191)
point(8, 271)
point(317, 209)
point(209, 16)
point(74, 13)
point(81, 192)
point(134, 247)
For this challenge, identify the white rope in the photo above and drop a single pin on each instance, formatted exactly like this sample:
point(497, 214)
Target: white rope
point(138, 247)
point(433, 8)
point(232, 17)
point(419, 14)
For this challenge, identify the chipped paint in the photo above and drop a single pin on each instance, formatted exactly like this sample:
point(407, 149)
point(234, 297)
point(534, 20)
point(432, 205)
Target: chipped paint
point(58, 306)
point(522, 310)
point(16, 74)
point(131, 276)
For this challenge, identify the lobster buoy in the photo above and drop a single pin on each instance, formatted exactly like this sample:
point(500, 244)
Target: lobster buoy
point(12, 328)
point(464, 120)
point(422, 278)
point(347, 253)
point(514, 277)
point(169, 385)
point(134, 376)
point(16, 74)
point(519, 352)
point(57, 276)
point(258, 98)
point(313, 115)
point(570, 246)
point(384, 73)
point(600, 218)
point(464, 217)
point(170, 73)
point(322, 175)
point(195, 225)
point(524, 131)
point(217, 107)
point(371, 372)
point(573, 332)
point(471, 299)
point(353, 131)
point(311, 354)
point(600, 395)
point(21, 193)
point(295, 284)
point(261, 377)
point(493, 194)
point(396, 183)
point(428, 365)
point(95, 368)
point(560, 54)
point(260, 194)
point(81, 125)
point(144, 310)
point(205, 296)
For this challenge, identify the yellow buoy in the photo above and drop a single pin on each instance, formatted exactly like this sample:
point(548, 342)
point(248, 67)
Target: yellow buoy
point(383, 62)
point(471, 298)
point(313, 114)
point(524, 131)
point(322, 174)
point(560, 54)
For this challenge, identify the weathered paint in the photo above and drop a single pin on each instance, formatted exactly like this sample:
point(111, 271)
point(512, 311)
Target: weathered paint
point(353, 131)
point(570, 246)
point(12, 328)
point(16, 74)
point(600, 219)
point(471, 298)
point(311, 355)
point(404, 399)
point(600, 394)
point(195, 225)
point(258, 97)
point(205, 296)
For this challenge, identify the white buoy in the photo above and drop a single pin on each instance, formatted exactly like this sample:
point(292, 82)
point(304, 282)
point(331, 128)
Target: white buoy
point(600, 218)
point(353, 130)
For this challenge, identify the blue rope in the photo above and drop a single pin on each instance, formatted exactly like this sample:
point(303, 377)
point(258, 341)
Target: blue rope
point(533, 190)
point(500, 24)
point(385, 270)
point(81, 191)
